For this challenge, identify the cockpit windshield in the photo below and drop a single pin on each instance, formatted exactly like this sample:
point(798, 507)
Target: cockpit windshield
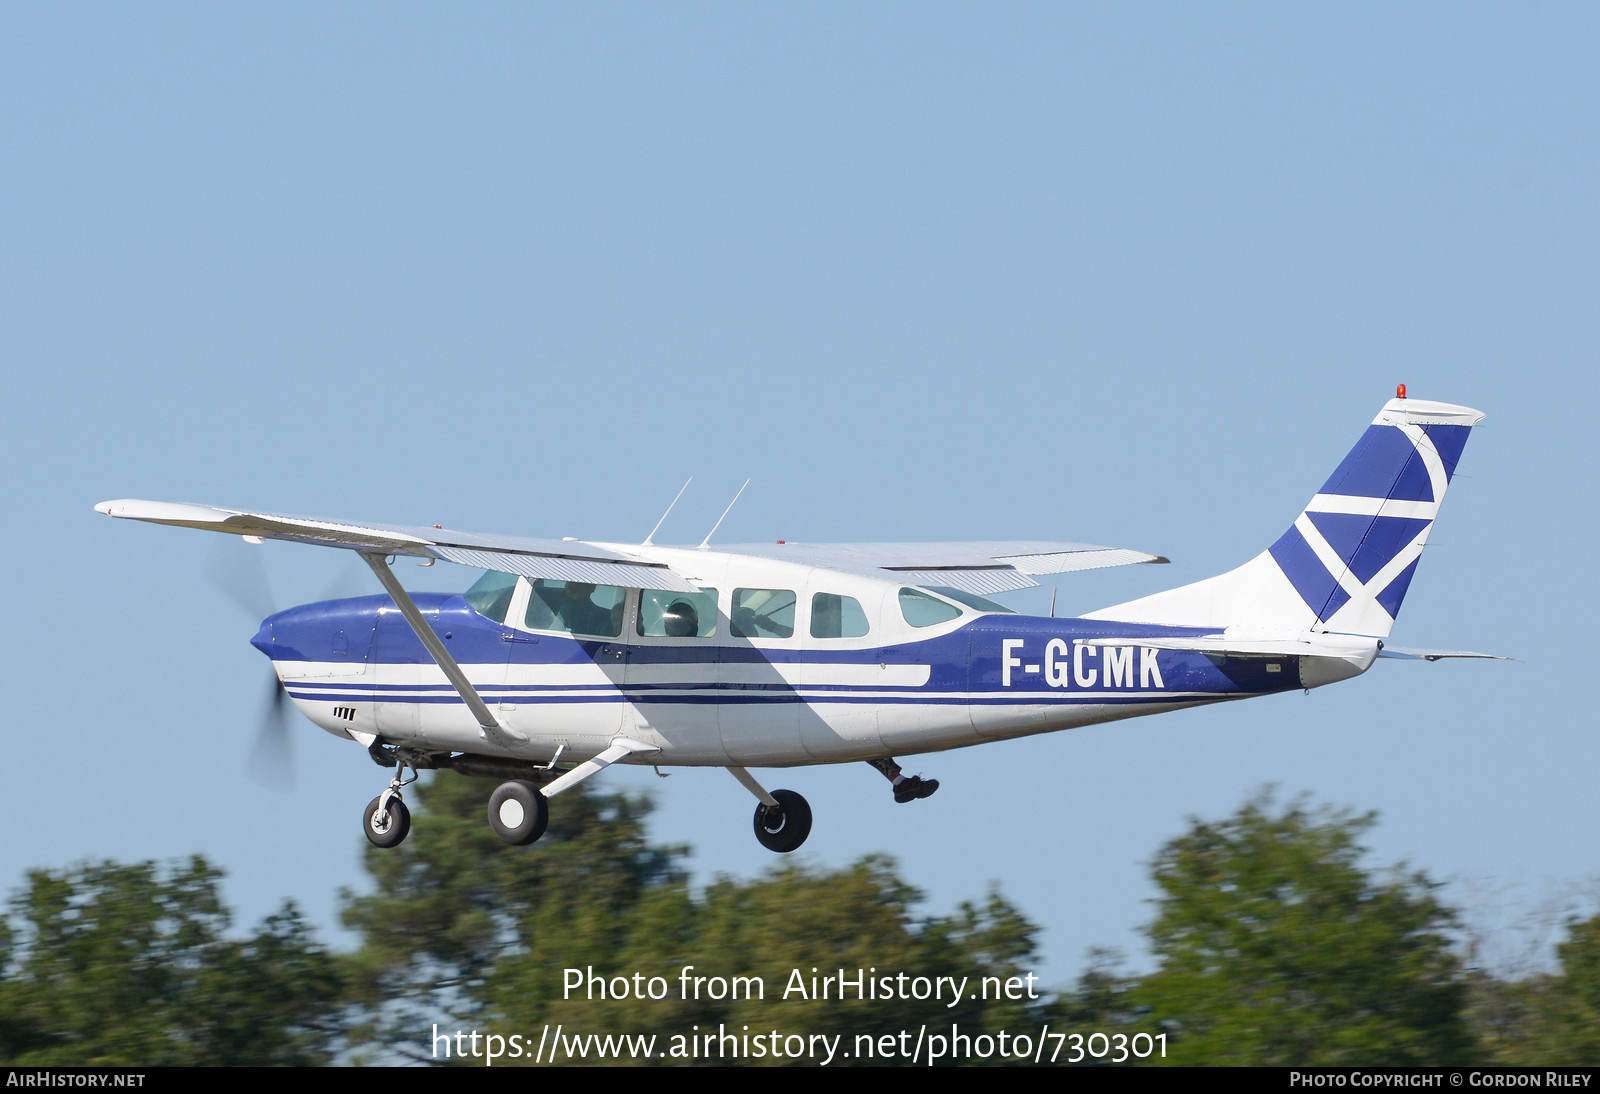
point(921, 610)
point(490, 595)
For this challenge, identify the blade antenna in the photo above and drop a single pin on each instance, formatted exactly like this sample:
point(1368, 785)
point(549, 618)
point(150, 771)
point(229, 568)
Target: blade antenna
point(663, 519)
point(707, 541)
point(1053, 590)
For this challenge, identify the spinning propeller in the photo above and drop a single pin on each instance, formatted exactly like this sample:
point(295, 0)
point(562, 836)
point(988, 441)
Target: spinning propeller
point(240, 575)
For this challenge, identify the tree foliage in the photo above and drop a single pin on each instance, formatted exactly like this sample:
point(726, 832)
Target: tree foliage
point(464, 931)
point(1548, 1019)
point(1276, 946)
point(108, 964)
point(1273, 943)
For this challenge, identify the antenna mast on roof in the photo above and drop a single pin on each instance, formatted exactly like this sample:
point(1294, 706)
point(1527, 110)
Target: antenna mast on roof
point(707, 541)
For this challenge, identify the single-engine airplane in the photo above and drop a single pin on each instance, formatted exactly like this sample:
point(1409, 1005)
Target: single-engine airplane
point(566, 657)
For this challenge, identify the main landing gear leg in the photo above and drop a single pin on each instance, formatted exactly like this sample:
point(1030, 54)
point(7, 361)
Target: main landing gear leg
point(387, 820)
point(905, 789)
point(783, 819)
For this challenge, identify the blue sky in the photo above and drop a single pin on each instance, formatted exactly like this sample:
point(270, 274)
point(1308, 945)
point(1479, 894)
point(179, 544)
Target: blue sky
point(1135, 275)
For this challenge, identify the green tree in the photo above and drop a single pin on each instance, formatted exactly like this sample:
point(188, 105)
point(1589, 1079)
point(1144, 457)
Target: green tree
point(466, 932)
point(1103, 999)
point(1548, 1019)
point(459, 920)
point(110, 964)
point(1578, 1017)
point(1276, 946)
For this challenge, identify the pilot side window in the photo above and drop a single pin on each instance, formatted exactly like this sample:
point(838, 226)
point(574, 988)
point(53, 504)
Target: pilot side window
point(677, 615)
point(922, 610)
point(490, 595)
point(576, 607)
point(763, 613)
point(835, 616)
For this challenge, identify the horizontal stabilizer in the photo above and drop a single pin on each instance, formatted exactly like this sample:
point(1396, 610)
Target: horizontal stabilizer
point(1408, 654)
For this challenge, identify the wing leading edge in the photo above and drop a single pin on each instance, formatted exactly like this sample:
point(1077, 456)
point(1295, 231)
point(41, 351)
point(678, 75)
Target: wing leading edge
point(554, 559)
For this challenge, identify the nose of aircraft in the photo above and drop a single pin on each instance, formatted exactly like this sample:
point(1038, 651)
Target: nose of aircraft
point(329, 630)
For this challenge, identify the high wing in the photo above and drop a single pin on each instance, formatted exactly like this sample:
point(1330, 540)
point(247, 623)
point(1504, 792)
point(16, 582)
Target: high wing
point(557, 559)
point(981, 567)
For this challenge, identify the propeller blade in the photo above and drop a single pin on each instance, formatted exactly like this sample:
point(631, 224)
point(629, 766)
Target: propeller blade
point(271, 757)
point(351, 580)
point(239, 574)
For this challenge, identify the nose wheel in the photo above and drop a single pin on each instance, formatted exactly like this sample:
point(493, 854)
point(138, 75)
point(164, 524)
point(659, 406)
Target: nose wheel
point(387, 825)
point(387, 821)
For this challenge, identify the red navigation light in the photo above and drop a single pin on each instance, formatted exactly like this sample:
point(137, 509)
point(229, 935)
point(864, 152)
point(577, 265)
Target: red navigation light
point(783, 541)
point(1400, 392)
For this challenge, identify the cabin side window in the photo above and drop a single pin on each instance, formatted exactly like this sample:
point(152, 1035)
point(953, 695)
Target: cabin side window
point(922, 610)
point(677, 615)
point(763, 613)
point(490, 595)
point(576, 607)
point(837, 616)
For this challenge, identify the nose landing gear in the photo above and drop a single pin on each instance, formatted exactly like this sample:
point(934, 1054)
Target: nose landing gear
point(387, 821)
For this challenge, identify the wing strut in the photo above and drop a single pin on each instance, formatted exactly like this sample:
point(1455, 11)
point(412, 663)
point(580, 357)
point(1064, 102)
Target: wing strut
point(620, 747)
point(492, 729)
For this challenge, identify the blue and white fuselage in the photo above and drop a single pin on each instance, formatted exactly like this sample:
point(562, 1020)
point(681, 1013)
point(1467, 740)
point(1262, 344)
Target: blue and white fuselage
point(355, 668)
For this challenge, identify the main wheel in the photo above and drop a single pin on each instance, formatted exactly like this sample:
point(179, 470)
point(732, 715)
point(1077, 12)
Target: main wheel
point(390, 830)
point(518, 813)
point(786, 827)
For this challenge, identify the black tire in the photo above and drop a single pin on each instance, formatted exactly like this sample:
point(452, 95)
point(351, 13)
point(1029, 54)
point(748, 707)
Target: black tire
point(785, 828)
point(393, 831)
point(518, 813)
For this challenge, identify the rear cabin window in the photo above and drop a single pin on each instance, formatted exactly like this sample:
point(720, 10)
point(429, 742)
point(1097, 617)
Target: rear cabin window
point(490, 595)
point(576, 607)
point(923, 610)
point(677, 615)
point(763, 613)
point(836, 616)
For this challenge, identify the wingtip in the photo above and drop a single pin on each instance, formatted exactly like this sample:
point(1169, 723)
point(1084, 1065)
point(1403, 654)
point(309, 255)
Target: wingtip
point(163, 512)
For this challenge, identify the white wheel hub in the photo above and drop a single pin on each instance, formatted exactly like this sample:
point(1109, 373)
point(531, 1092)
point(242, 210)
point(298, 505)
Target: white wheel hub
point(511, 813)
